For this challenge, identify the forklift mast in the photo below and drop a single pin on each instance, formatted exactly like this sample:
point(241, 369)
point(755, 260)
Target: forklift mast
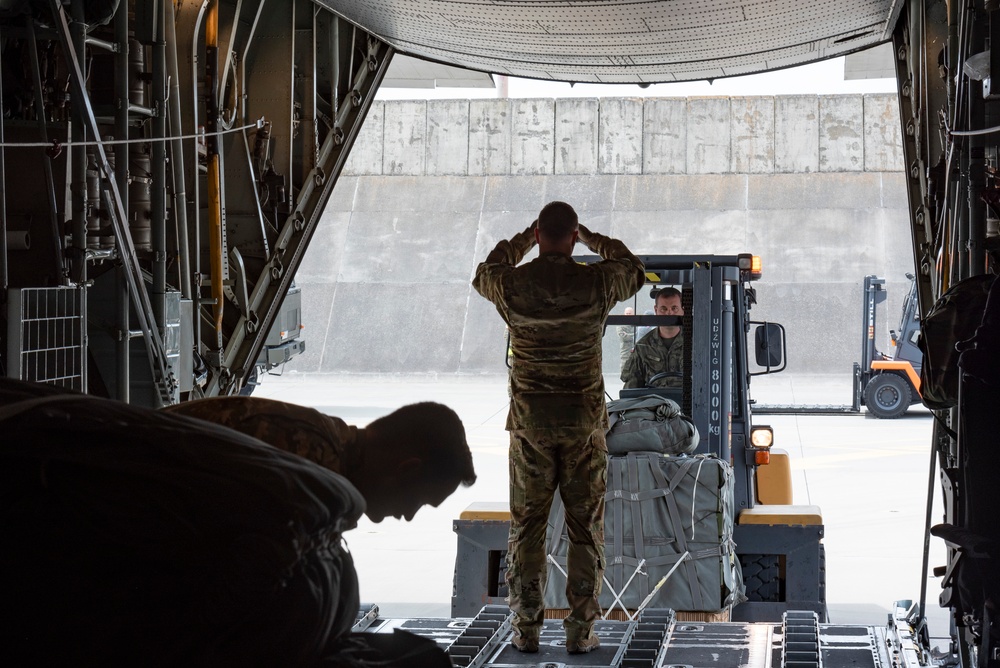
point(874, 291)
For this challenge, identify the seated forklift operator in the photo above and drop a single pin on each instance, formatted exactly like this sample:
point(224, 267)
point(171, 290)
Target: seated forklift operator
point(660, 350)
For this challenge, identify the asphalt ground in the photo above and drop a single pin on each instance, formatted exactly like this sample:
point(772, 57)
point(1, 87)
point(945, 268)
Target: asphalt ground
point(869, 477)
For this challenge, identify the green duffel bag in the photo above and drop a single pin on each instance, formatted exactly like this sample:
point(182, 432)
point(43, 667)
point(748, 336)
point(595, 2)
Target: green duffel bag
point(649, 423)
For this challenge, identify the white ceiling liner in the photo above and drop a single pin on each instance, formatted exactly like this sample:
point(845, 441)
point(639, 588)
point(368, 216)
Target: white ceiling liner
point(623, 41)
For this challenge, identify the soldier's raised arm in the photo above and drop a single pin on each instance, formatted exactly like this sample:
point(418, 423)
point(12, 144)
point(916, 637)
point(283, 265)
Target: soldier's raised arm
point(625, 272)
point(503, 258)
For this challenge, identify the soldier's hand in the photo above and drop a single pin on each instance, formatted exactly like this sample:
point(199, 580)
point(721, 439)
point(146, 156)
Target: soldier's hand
point(584, 235)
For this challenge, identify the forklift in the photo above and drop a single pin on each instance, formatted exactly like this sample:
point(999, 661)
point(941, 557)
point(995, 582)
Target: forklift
point(888, 383)
point(778, 546)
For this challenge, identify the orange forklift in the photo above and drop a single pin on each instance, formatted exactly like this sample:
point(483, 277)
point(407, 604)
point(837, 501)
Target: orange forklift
point(888, 383)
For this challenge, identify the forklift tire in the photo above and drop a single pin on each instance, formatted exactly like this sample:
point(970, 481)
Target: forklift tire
point(761, 577)
point(887, 396)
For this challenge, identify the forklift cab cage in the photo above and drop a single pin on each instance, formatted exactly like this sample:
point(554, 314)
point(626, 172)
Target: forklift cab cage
point(717, 297)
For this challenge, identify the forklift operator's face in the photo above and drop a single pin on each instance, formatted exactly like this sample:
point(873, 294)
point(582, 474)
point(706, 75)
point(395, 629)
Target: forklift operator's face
point(670, 305)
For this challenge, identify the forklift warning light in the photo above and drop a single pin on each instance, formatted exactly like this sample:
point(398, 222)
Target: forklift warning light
point(751, 263)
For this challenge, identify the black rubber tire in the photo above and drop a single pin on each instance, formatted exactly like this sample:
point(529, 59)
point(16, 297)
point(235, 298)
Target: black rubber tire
point(761, 577)
point(887, 396)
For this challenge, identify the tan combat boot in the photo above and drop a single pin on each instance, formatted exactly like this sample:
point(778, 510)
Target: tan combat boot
point(524, 643)
point(583, 646)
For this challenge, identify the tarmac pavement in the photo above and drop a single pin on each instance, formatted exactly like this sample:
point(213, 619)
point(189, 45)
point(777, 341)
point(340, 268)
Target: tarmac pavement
point(869, 476)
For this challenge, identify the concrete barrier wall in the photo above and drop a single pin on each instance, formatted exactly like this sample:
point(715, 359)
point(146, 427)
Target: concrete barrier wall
point(812, 184)
point(583, 136)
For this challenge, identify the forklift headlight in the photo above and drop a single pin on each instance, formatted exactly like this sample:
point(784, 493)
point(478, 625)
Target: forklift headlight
point(761, 437)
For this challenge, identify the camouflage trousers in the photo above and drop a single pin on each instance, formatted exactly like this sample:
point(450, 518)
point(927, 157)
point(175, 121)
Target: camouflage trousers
point(574, 461)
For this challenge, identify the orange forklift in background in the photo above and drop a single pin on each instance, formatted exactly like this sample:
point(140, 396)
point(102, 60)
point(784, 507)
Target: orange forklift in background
point(888, 383)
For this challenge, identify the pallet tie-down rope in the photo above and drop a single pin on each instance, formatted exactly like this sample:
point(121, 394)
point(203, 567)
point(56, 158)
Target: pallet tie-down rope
point(618, 595)
point(659, 584)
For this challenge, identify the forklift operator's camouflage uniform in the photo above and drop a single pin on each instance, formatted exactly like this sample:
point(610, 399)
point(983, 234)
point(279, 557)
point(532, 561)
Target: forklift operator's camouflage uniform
point(653, 355)
point(556, 310)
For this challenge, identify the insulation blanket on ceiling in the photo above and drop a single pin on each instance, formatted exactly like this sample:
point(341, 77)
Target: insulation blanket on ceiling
point(661, 512)
point(134, 537)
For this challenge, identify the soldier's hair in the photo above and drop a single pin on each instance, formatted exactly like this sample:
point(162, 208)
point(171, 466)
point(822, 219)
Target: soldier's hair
point(666, 292)
point(433, 432)
point(557, 220)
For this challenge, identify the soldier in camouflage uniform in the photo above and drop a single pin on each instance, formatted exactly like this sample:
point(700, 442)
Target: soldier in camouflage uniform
point(660, 350)
point(556, 310)
point(414, 456)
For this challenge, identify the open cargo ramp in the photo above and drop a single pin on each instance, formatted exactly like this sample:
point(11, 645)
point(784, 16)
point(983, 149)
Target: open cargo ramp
point(657, 640)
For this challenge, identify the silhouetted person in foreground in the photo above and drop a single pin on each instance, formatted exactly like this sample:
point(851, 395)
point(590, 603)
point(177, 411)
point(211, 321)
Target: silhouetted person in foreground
point(135, 537)
point(414, 456)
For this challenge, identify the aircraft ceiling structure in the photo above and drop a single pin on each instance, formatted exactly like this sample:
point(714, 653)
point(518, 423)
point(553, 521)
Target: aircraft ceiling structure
point(624, 41)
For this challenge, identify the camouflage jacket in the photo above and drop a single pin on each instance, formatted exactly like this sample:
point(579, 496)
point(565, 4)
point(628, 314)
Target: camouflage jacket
point(652, 356)
point(556, 310)
point(325, 440)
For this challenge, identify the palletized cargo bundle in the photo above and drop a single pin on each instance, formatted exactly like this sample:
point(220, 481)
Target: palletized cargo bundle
point(666, 516)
